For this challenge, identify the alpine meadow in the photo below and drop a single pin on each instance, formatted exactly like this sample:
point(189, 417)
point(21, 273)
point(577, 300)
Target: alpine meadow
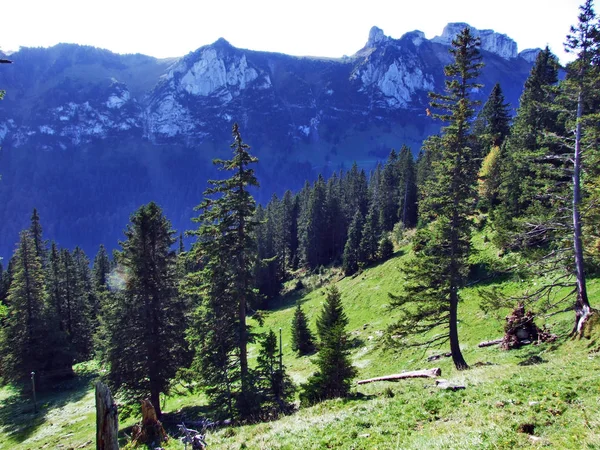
point(398, 249)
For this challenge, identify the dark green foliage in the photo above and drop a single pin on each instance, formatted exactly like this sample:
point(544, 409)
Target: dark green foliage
point(101, 270)
point(274, 385)
point(441, 249)
point(30, 340)
point(369, 242)
point(335, 371)
point(389, 194)
point(313, 238)
point(35, 231)
point(531, 165)
point(407, 188)
point(224, 286)
point(302, 338)
point(146, 322)
point(352, 248)
point(386, 248)
point(493, 122)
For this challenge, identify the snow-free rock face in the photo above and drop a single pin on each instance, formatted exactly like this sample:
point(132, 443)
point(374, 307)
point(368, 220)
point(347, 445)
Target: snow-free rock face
point(530, 54)
point(499, 44)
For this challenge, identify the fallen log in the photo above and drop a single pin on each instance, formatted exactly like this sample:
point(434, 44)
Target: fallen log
point(439, 356)
point(426, 373)
point(446, 385)
point(490, 343)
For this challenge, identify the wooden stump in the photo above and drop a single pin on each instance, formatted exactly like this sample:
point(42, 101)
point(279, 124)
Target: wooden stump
point(151, 431)
point(107, 419)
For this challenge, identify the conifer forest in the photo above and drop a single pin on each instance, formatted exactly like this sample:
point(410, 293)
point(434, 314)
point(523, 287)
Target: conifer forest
point(260, 313)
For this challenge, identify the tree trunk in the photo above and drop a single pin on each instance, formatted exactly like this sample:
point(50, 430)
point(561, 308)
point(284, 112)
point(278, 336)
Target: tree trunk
point(107, 419)
point(582, 305)
point(457, 357)
point(155, 400)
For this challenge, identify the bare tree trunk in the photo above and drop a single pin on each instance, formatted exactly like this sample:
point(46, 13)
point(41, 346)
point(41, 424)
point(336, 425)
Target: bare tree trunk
point(107, 419)
point(582, 305)
point(457, 357)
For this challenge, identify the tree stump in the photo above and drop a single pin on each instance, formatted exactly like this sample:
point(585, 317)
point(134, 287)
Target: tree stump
point(150, 431)
point(107, 419)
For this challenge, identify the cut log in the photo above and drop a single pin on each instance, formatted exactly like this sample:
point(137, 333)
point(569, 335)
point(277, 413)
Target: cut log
point(490, 343)
point(426, 373)
point(107, 419)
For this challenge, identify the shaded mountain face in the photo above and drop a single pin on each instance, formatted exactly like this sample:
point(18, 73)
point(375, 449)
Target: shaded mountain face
point(87, 135)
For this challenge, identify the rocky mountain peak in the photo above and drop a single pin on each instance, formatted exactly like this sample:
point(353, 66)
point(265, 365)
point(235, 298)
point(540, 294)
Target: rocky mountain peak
point(376, 36)
point(497, 43)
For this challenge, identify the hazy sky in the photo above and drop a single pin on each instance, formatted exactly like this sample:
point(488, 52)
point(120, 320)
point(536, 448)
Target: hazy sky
point(310, 27)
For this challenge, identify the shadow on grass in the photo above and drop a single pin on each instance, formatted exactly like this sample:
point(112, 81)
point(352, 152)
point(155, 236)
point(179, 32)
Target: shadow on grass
point(17, 416)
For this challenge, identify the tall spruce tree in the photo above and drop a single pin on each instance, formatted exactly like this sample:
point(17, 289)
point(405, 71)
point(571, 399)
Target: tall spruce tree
point(334, 368)
point(226, 251)
point(407, 188)
point(440, 266)
point(146, 322)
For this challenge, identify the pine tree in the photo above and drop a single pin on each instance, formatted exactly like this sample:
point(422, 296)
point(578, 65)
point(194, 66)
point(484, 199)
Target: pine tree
point(494, 119)
point(526, 176)
point(441, 250)
point(407, 188)
point(302, 338)
point(352, 248)
point(101, 270)
point(389, 193)
point(313, 243)
point(274, 384)
point(335, 371)
point(36, 233)
point(28, 340)
point(146, 322)
point(226, 250)
point(369, 242)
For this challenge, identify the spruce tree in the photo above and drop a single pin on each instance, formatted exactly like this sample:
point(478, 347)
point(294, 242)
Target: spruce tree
point(440, 265)
point(494, 119)
point(369, 242)
point(274, 384)
point(227, 252)
point(146, 322)
point(407, 188)
point(29, 339)
point(351, 250)
point(302, 338)
point(313, 242)
point(35, 230)
point(334, 368)
point(101, 270)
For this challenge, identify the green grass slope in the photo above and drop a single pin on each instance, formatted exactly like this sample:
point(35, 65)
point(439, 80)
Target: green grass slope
point(537, 396)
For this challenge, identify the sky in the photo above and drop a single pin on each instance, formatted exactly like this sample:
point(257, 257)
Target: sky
point(306, 28)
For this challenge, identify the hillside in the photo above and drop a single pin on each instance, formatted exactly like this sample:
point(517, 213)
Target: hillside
point(551, 387)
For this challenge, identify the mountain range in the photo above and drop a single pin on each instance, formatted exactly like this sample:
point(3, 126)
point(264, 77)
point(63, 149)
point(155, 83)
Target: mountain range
point(88, 135)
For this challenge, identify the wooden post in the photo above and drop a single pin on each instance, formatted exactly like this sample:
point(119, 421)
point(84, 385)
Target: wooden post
point(107, 419)
point(33, 387)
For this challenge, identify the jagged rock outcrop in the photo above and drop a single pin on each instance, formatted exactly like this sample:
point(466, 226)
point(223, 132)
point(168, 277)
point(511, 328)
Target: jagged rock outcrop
point(499, 44)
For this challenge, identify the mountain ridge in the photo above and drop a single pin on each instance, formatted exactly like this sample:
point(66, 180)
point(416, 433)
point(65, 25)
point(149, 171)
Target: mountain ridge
point(75, 117)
